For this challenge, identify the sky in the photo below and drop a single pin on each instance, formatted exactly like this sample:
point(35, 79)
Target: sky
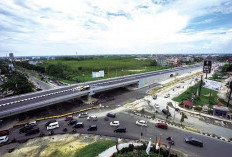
point(96, 27)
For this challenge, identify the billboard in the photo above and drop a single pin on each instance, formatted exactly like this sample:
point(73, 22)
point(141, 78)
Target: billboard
point(98, 74)
point(214, 85)
point(207, 66)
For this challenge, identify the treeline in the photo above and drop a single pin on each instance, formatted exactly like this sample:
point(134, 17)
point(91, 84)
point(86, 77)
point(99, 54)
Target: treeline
point(26, 65)
point(227, 68)
point(4, 67)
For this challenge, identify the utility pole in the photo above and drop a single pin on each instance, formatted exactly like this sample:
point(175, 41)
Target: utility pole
point(229, 96)
point(200, 86)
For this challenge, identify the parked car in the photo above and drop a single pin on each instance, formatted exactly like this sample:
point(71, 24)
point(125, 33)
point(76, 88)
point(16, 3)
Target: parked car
point(178, 87)
point(52, 126)
point(3, 139)
point(120, 129)
point(154, 97)
point(83, 115)
point(79, 125)
point(161, 125)
point(92, 127)
point(114, 123)
point(51, 121)
point(69, 117)
point(33, 123)
point(72, 122)
point(194, 141)
point(4, 132)
point(92, 118)
point(32, 131)
point(167, 96)
point(165, 111)
point(25, 128)
point(113, 115)
point(141, 122)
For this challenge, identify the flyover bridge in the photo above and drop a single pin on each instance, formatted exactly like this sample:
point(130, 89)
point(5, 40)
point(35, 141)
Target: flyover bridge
point(26, 102)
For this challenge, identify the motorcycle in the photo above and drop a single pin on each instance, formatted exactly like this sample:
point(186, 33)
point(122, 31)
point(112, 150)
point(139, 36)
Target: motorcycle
point(170, 141)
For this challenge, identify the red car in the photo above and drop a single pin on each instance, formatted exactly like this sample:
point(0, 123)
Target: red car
point(69, 117)
point(161, 125)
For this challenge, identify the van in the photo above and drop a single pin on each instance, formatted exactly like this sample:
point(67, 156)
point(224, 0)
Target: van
point(49, 122)
point(120, 130)
point(92, 127)
point(53, 126)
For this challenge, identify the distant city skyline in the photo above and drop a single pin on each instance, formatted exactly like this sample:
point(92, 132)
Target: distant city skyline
point(93, 27)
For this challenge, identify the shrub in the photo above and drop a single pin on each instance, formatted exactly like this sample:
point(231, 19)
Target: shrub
point(198, 108)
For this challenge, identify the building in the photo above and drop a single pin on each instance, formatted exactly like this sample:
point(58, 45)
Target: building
point(11, 57)
point(161, 60)
point(187, 104)
point(220, 111)
point(34, 62)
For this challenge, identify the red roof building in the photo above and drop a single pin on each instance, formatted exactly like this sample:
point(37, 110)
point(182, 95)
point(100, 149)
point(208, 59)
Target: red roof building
point(188, 104)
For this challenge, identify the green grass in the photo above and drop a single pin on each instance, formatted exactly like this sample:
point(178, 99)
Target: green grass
point(81, 70)
point(202, 100)
point(138, 153)
point(94, 149)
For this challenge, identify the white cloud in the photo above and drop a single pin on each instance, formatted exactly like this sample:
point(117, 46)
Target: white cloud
point(66, 26)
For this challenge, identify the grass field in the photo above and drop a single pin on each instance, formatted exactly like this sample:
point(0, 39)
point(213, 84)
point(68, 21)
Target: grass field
point(81, 70)
point(94, 149)
point(202, 100)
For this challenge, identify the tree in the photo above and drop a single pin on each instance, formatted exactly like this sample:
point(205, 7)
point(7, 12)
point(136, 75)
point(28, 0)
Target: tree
point(18, 84)
point(153, 63)
point(182, 118)
point(167, 115)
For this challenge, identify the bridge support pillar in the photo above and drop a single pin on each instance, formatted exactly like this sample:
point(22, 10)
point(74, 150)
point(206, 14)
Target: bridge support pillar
point(141, 81)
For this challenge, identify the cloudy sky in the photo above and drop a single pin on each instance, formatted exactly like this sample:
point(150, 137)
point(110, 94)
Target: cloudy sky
point(67, 27)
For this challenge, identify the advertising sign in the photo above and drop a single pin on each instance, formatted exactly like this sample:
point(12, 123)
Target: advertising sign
point(207, 66)
point(214, 85)
point(98, 74)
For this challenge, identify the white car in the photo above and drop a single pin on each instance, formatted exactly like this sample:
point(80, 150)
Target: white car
point(52, 126)
point(93, 118)
point(141, 122)
point(114, 123)
point(167, 96)
point(3, 139)
point(156, 105)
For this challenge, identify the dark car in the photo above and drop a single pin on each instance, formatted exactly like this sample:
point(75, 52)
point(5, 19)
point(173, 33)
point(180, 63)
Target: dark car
point(72, 122)
point(92, 127)
point(32, 131)
point(4, 132)
point(113, 115)
point(25, 128)
point(194, 141)
point(166, 112)
point(49, 122)
point(69, 117)
point(161, 125)
point(79, 125)
point(120, 129)
point(154, 97)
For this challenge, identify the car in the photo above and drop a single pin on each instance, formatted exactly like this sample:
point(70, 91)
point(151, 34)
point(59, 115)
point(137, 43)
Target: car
point(72, 122)
point(33, 123)
point(178, 87)
point(3, 139)
point(167, 96)
point(161, 125)
point(120, 129)
point(165, 111)
point(4, 132)
point(52, 126)
point(156, 105)
point(92, 127)
point(106, 119)
point(154, 97)
point(69, 117)
point(141, 122)
point(112, 115)
point(92, 118)
point(51, 121)
point(83, 115)
point(25, 128)
point(194, 141)
point(79, 125)
point(34, 130)
point(114, 123)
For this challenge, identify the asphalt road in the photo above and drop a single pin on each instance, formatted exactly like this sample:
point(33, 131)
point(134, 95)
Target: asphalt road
point(40, 84)
point(212, 147)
